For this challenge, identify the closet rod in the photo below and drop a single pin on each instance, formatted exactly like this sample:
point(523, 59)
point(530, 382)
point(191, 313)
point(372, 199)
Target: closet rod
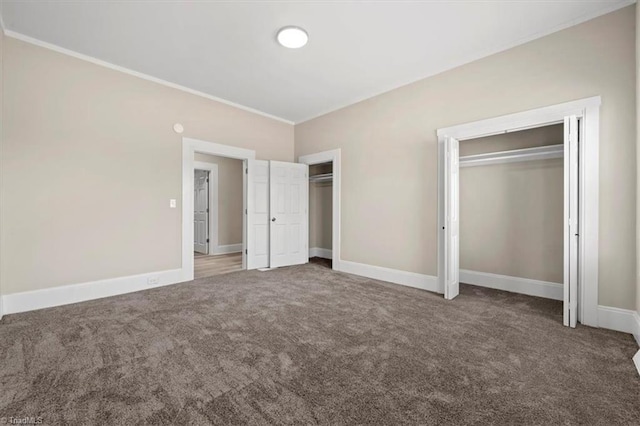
point(325, 177)
point(512, 156)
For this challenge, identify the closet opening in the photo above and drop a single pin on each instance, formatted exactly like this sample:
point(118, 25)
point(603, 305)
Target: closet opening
point(511, 195)
point(321, 213)
point(518, 206)
point(324, 207)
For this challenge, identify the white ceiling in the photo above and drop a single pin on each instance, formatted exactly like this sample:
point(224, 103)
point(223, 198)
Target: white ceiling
point(357, 49)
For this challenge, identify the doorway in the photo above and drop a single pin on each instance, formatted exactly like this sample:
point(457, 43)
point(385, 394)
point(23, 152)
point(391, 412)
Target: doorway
point(511, 212)
point(274, 208)
point(218, 215)
point(580, 198)
point(325, 167)
point(320, 213)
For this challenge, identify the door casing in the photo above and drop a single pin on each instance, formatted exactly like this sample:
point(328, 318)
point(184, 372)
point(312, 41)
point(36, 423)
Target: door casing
point(189, 148)
point(588, 111)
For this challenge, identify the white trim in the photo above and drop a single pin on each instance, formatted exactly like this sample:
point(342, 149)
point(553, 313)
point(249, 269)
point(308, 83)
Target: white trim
point(320, 252)
point(75, 293)
point(228, 248)
point(636, 361)
point(395, 276)
point(513, 156)
point(100, 62)
point(213, 202)
point(589, 111)
point(334, 156)
point(189, 148)
point(636, 329)
point(549, 290)
point(520, 121)
point(623, 320)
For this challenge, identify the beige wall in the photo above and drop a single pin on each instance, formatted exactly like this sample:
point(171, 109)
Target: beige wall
point(638, 155)
point(229, 198)
point(1, 137)
point(389, 218)
point(90, 162)
point(320, 215)
point(511, 214)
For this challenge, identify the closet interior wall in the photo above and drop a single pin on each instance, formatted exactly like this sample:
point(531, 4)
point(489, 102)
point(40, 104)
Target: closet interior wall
point(320, 208)
point(511, 214)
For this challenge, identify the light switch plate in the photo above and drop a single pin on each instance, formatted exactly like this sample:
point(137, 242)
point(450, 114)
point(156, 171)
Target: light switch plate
point(172, 203)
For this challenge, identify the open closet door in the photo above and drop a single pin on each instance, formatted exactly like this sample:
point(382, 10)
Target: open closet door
point(257, 174)
point(452, 221)
point(571, 220)
point(289, 213)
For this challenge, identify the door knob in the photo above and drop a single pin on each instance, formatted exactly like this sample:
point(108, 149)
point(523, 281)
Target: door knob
point(273, 219)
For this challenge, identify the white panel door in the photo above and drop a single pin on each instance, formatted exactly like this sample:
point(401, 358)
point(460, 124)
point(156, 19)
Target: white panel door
point(571, 220)
point(289, 213)
point(452, 219)
point(201, 212)
point(257, 214)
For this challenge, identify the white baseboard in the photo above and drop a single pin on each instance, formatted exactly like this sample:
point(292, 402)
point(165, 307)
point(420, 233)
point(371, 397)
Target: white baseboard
point(409, 279)
point(64, 295)
point(624, 320)
point(320, 252)
point(527, 286)
point(636, 331)
point(230, 248)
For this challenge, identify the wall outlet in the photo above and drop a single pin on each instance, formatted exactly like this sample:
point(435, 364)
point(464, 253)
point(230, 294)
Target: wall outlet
point(172, 203)
point(153, 280)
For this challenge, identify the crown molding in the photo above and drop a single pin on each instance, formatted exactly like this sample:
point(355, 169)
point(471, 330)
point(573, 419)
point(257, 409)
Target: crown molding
point(87, 58)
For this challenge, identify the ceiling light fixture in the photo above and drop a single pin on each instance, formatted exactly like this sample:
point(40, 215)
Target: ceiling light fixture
point(292, 37)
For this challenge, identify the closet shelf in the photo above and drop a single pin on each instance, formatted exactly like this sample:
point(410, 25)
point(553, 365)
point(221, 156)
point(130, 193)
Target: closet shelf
point(324, 177)
point(512, 156)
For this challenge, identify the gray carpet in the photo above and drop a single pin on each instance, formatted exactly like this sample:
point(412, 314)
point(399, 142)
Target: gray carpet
point(306, 345)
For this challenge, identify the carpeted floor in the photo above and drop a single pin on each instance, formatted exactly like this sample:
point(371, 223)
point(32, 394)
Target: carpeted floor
point(306, 345)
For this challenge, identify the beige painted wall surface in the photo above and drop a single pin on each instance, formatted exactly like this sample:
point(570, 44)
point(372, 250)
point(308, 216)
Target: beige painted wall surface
point(1, 137)
point(511, 214)
point(320, 215)
point(229, 198)
point(638, 157)
point(389, 145)
point(90, 162)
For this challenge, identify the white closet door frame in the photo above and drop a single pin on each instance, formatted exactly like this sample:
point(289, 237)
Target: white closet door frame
point(571, 221)
point(588, 111)
point(452, 217)
point(189, 148)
